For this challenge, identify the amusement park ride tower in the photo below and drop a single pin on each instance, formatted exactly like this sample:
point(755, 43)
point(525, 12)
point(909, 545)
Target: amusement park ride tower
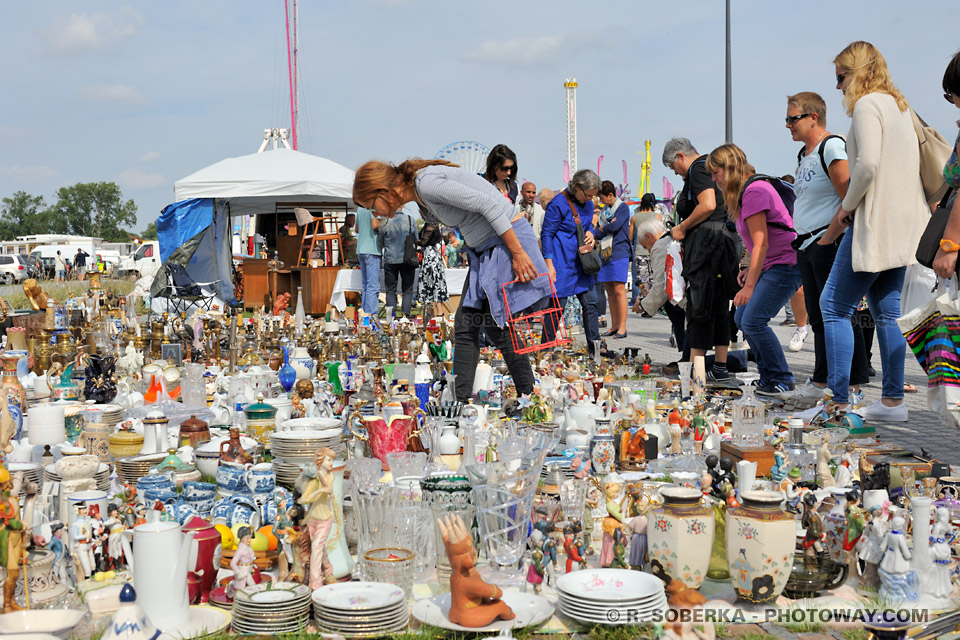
point(570, 84)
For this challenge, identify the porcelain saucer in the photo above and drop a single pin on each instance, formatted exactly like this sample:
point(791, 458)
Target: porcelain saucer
point(204, 620)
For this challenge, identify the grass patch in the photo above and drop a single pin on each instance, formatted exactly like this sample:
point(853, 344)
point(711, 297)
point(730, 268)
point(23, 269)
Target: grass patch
point(803, 627)
point(72, 289)
point(754, 636)
point(855, 634)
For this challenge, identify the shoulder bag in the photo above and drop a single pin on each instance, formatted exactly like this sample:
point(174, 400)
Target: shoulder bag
point(410, 258)
point(934, 153)
point(589, 261)
point(930, 240)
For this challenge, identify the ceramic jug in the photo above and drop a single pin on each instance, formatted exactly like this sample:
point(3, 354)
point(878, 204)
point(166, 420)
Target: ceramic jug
point(579, 415)
point(385, 437)
point(160, 558)
point(208, 554)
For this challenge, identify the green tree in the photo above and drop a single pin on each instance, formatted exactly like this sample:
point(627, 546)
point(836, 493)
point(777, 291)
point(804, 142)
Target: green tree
point(24, 214)
point(151, 232)
point(95, 209)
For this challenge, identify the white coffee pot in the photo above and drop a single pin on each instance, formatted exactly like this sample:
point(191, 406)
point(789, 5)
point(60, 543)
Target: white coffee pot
point(160, 558)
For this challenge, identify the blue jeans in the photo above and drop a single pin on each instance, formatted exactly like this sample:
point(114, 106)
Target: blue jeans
point(774, 288)
point(591, 320)
point(370, 275)
point(635, 292)
point(841, 295)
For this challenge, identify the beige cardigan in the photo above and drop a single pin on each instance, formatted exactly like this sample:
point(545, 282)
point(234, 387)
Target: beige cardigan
point(885, 190)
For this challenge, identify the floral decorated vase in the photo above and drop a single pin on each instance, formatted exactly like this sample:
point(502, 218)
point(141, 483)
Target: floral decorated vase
point(680, 537)
point(760, 543)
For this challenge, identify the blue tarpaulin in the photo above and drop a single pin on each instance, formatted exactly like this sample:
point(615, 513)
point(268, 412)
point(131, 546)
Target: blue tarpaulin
point(180, 221)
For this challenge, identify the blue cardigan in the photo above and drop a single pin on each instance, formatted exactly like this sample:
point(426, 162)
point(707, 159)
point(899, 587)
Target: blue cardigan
point(558, 238)
point(619, 228)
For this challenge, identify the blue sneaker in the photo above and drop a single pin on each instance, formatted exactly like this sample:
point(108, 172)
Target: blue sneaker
point(774, 390)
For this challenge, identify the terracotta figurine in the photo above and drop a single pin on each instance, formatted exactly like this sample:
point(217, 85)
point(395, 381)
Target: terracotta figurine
point(473, 602)
point(11, 539)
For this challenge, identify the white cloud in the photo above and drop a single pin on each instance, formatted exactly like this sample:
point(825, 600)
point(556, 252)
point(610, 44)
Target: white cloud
point(518, 51)
point(150, 156)
point(122, 93)
point(86, 32)
point(137, 179)
point(30, 172)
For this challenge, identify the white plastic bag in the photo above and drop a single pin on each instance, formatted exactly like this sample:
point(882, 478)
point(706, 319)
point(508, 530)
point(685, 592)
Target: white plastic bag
point(920, 287)
point(674, 266)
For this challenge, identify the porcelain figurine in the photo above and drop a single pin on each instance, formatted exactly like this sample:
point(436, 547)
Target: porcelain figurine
point(779, 470)
point(242, 562)
point(853, 529)
point(11, 539)
point(613, 519)
point(550, 565)
point(700, 431)
point(940, 585)
point(812, 522)
point(536, 568)
point(871, 547)
point(619, 550)
point(317, 499)
point(897, 581)
point(573, 550)
point(473, 602)
point(81, 531)
point(824, 476)
point(639, 504)
point(844, 475)
point(114, 528)
point(676, 445)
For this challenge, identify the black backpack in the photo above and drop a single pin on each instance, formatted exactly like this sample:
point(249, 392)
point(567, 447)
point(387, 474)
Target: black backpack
point(823, 162)
point(784, 190)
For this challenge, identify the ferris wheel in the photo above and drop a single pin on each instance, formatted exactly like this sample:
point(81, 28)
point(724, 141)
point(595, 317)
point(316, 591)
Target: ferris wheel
point(472, 156)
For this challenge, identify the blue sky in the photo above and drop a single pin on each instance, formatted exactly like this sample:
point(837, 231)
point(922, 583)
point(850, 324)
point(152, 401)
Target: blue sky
point(146, 93)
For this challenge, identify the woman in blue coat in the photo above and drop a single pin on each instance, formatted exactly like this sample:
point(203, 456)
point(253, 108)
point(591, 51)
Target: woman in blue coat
point(614, 223)
point(558, 238)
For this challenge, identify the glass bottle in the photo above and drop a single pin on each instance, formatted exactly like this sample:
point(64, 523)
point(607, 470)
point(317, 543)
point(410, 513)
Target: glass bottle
point(798, 454)
point(748, 415)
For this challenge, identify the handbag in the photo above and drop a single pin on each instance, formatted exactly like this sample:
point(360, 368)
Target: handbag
point(930, 240)
point(589, 261)
point(410, 258)
point(934, 153)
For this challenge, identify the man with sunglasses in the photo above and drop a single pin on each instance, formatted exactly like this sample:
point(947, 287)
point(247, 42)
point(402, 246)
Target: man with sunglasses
point(821, 182)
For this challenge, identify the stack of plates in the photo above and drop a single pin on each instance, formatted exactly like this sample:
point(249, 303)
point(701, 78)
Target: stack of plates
point(294, 448)
point(611, 596)
point(360, 609)
point(268, 609)
point(109, 414)
point(132, 468)
point(102, 476)
point(31, 471)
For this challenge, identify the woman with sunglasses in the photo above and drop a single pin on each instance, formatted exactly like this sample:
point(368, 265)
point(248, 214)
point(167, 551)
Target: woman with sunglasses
point(886, 211)
point(502, 171)
point(945, 264)
point(501, 248)
point(764, 223)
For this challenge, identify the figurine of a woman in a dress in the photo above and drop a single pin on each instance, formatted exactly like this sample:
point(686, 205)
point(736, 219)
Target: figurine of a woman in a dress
point(940, 585)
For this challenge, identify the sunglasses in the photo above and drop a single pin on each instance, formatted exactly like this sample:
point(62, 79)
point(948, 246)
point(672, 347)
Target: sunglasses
point(948, 96)
point(795, 119)
point(841, 77)
point(507, 167)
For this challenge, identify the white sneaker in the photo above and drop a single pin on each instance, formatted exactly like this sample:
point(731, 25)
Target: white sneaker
point(882, 413)
point(808, 390)
point(796, 342)
point(811, 413)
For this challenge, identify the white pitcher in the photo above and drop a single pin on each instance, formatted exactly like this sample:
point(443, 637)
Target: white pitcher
point(160, 557)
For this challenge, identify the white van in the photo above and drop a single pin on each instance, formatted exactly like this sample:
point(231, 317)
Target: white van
point(47, 252)
point(145, 262)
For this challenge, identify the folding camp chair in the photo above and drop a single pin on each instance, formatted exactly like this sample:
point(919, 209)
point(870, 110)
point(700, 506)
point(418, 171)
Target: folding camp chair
point(183, 293)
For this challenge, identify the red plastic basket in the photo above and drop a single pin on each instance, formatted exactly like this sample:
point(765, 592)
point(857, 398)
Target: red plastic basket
point(522, 335)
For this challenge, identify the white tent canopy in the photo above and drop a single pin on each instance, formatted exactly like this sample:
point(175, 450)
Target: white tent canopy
point(255, 182)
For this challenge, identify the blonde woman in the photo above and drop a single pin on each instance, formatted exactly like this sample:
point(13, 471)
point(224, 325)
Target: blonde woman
point(886, 212)
point(764, 223)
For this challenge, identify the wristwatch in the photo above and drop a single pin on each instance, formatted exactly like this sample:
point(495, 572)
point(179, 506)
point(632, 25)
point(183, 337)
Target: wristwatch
point(949, 246)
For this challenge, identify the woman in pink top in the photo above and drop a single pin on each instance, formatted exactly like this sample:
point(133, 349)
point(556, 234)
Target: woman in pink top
point(764, 222)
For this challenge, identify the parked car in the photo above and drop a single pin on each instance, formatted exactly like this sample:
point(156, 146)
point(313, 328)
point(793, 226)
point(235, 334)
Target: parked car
point(12, 270)
point(33, 265)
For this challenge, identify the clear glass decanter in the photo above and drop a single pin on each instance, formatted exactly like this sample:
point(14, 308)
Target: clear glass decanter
point(748, 415)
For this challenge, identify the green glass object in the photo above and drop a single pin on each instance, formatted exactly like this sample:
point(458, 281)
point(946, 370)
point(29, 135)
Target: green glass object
point(333, 375)
point(388, 371)
point(718, 569)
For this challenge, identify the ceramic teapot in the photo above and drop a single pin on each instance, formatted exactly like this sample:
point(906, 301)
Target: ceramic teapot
point(385, 436)
point(160, 558)
point(208, 554)
point(580, 415)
